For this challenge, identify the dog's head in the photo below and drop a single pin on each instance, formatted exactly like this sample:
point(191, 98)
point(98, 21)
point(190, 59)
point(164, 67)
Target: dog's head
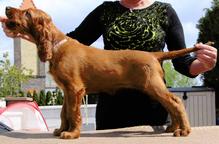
point(35, 23)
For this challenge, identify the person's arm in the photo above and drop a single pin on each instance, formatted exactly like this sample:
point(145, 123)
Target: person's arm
point(90, 29)
point(175, 40)
point(206, 56)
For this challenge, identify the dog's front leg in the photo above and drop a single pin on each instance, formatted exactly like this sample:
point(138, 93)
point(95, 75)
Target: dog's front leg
point(73, 114)
point(64, 123)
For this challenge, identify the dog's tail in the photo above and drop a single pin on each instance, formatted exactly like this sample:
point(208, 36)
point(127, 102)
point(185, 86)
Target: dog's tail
point(161, 56)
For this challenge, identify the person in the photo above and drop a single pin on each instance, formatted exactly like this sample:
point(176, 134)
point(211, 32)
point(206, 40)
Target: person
point(145, 25)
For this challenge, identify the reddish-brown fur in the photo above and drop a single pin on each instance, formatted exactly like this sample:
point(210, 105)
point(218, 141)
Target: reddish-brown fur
point(79, 69)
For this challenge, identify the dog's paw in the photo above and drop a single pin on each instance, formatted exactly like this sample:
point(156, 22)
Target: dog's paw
point(171, 128)
point(182, 132)
point(70, 135)
point(57, 132)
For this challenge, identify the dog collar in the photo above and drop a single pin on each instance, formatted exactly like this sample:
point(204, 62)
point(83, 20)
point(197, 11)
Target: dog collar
point(57, 45)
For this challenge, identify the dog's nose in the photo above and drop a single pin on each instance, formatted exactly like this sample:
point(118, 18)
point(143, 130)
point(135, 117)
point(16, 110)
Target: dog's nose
point(11, 24)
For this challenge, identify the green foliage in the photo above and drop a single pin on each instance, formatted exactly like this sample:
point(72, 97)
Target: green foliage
point(36, 97)
point(42, 98)
point(21, 94)
point(48, 98)
point(209, 31)
point(11, 77)
point(175, 79)
point(59, 98)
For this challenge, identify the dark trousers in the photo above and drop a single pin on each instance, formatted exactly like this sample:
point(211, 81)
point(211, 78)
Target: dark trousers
point(127, 108)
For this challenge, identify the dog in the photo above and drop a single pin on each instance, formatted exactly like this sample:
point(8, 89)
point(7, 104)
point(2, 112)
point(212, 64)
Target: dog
point(79, 69)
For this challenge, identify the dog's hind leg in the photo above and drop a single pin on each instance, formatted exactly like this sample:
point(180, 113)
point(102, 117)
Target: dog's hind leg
point(184, 121)
point(73, 114)
point(157, 90)
point(174, 123)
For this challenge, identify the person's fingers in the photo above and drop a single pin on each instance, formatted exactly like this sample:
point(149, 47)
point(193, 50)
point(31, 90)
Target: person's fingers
point(209, 53)
point(3, 19)
point(207, 47)
point(207, 61)
point(206, 58)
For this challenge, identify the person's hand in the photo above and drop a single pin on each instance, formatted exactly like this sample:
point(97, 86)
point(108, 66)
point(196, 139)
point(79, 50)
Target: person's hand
point(7, 32)
point(206, 59)
point(12, 34)
point(2, 19)
point(207, 55)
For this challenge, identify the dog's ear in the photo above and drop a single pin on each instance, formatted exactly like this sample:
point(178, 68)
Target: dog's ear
point(28, 14)
point(41, 24)
point(40, 17)
point(44, 42)
point(45, 50)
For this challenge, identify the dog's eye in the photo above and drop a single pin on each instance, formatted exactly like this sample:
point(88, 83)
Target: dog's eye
point(10, 16)
point(27, 14)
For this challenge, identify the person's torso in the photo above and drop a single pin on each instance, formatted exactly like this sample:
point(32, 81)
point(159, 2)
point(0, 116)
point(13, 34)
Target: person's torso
point(142, 29)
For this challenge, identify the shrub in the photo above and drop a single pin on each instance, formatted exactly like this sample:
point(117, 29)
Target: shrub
point(59, 97)
point(49, 98)
point(42, 98)
point(36, 97)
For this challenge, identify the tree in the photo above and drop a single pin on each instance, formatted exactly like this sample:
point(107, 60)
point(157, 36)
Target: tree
point(11, 77)
point(209, 31)
point(175, 79)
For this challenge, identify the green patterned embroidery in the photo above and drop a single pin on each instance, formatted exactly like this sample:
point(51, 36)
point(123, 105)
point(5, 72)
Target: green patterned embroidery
point(138, 29)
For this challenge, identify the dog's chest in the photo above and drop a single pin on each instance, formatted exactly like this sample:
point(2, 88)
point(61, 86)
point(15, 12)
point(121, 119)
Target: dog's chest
point(53, 72)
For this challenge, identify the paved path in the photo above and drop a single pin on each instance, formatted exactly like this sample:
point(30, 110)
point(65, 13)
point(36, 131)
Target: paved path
point(133, 135)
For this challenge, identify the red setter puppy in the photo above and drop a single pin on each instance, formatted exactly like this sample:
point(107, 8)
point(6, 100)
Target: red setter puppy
point(79, 69)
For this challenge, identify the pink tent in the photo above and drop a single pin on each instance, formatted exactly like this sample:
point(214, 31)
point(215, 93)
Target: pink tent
point(23, 116)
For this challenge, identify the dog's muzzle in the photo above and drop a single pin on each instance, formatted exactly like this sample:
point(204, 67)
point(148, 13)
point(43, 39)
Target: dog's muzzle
point(10, 23)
